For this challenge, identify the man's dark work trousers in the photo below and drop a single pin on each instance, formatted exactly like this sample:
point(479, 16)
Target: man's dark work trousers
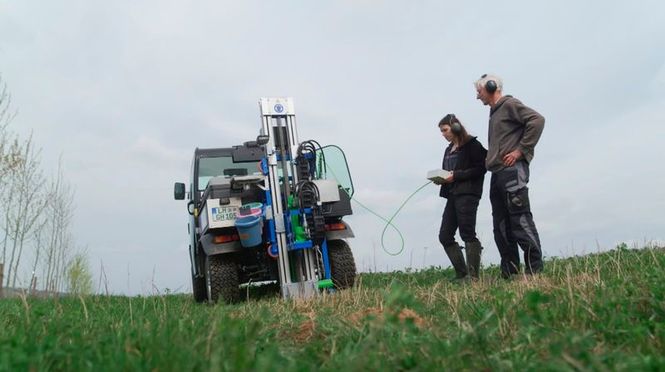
point(460, 211)
point(513, 221)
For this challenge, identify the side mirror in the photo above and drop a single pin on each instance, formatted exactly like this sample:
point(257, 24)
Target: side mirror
point(179, 191)
point(262, 139)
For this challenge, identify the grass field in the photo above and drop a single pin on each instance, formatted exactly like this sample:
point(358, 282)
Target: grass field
point(597, 312)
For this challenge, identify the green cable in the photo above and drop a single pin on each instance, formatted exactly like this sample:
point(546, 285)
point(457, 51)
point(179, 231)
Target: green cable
point(389, 222)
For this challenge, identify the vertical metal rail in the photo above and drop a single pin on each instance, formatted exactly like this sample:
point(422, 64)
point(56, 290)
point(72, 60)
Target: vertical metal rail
point(277, 206)
point(277, 113)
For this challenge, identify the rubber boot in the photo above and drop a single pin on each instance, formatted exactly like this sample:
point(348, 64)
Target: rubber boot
point(473, 252)
point(454, 252)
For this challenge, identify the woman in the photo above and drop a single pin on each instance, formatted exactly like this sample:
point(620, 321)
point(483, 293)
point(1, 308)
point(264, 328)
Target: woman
point(465, 158)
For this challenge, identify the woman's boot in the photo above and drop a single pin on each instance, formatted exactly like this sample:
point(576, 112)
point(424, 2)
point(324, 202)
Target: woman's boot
point(456, 256)
point(473, 251)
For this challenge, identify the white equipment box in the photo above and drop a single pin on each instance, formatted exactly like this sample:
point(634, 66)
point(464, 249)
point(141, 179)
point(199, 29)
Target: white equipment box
point(328, 190)
point(438, 175)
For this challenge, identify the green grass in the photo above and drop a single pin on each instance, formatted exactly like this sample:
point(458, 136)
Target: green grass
point(597, 312)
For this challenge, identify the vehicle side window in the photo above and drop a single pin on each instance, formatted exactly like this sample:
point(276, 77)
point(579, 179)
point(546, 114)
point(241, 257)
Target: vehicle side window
point(331, 165)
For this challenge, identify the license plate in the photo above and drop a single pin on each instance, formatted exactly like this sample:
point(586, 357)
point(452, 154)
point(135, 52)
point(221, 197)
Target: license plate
point(224, 213)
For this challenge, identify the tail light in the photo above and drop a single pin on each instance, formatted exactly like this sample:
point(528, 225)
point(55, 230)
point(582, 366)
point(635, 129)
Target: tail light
point(335, 226)
point(218, 239)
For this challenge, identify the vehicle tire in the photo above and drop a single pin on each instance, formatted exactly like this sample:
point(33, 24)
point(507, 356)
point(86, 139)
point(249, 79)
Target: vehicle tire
point(342, 264)
point(222, 280)
point(199, 288)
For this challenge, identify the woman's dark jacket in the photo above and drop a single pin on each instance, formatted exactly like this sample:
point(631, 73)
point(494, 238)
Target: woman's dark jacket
point(469, 172)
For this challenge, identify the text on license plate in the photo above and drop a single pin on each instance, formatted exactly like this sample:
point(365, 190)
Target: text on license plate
point(227, 213)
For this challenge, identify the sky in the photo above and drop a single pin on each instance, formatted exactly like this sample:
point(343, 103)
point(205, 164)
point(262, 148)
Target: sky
point(125, 91)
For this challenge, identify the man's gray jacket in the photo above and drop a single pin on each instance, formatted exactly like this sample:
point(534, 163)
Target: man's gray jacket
point(513, 126)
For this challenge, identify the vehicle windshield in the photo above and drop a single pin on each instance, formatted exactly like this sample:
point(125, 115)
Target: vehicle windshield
point(223, 166)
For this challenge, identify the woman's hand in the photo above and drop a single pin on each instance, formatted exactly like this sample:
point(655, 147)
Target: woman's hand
point(449, 179)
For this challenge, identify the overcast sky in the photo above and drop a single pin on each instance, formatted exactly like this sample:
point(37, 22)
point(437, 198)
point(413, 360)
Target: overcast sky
point(126, 90)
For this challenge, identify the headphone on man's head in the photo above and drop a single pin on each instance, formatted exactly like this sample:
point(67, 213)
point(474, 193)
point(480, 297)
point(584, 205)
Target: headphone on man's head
point(455, 126)
point(490, 85)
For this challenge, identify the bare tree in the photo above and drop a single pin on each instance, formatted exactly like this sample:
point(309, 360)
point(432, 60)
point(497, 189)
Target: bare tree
point(59, 212)
point(26, 204)
point(34, 217)
point(5, 201)
point(10, 160)
point(4, 168)
point(8, 155)
point(38, 244)
point(4, 122)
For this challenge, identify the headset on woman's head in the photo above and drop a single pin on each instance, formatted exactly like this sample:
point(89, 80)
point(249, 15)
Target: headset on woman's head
point(455, 126)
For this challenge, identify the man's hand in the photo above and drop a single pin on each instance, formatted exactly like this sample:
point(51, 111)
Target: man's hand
point(449, 179)
point(510, 158)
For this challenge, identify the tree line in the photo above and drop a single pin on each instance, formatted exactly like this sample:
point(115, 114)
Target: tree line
point(37, 248)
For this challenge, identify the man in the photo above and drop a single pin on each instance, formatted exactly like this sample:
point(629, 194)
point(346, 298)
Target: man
point(514, 131)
